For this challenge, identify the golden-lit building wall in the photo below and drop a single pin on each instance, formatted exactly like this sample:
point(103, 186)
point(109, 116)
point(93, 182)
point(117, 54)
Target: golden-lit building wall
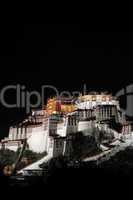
point(51, 106)
point(55, 106)
point(96, 97)
point(67, 108)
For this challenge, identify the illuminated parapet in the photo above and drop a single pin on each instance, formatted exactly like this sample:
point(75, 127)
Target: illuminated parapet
point(60, 105)
point(91, 101)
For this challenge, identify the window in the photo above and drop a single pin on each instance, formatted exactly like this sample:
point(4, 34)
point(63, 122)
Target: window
point(93, 98)
point(51, 143)
point(69, 121)
point(72, 121)
point(58, 144)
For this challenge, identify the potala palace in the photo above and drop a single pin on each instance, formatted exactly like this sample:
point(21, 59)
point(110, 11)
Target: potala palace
point(47, 129)
point(52, 129)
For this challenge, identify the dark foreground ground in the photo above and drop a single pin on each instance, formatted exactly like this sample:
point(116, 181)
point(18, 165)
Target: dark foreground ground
point(111, 177)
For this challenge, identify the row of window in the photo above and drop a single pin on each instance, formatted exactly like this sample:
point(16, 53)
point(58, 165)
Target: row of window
point(86, 114)
point(106, 112)
point(58, 144)
point(72, 121)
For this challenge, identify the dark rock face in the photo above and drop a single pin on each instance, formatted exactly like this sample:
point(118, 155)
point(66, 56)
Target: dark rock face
point(120, 164)
point(116, 171)
point(82, 145)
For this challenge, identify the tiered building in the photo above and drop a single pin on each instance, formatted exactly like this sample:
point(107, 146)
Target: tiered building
point(49, 129)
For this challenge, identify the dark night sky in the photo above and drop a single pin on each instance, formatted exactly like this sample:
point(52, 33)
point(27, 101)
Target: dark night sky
point(65, 56)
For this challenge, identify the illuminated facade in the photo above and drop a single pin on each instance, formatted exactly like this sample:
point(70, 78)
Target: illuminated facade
point(60, 105)
point(62, 117)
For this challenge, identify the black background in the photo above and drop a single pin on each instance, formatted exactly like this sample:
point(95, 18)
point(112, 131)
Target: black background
point(63, 55)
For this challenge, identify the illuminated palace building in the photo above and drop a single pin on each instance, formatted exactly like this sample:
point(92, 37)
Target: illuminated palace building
point(49, 129)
